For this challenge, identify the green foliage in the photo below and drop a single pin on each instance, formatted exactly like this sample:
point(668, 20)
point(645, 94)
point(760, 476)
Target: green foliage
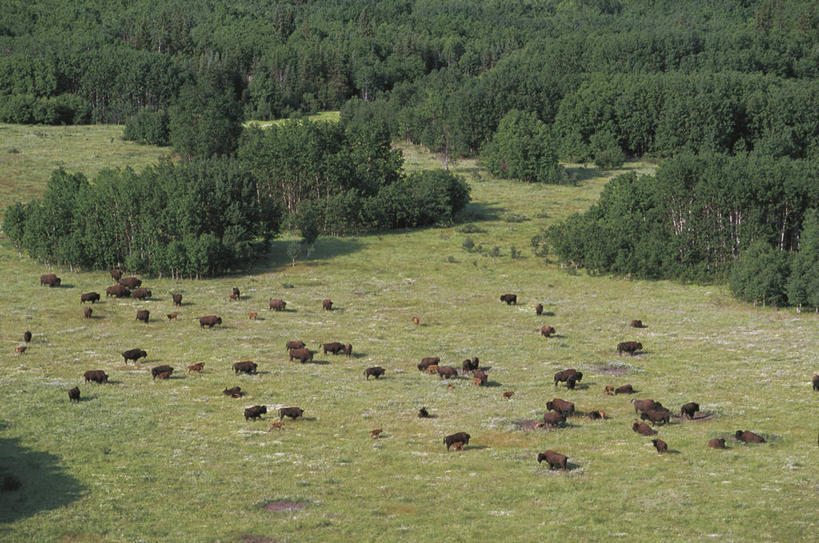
point(606, 151)
point(204, 122)
point(803, 284)
point(148, 127)
point(760, 275)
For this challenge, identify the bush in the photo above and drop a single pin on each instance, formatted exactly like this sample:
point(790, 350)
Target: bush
point(515, 217)
point(148, 127)
point(470, 228)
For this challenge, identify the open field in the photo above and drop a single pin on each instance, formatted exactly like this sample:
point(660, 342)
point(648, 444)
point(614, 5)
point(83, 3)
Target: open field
point(174, 460)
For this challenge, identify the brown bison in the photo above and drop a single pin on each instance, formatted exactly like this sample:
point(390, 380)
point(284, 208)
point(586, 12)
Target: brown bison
point(462, 437)
point(415, 320)
point(236, 293)
point(642, 428)
point(816, 382)
point(233, 297)
point(292, 412)
point(209, 320)
point(162, 375)
point(98, 376)
point(255, 412)
point(172, 316)
point(567, 375)
point(597, 415)
point(302, 355)
point(609, 390)
point(74, 394)
point(749, 437)
point(716, 443)
point(561, 406)
point(637, 324)
point(199, 366)
point(140, 293)
point(470, 365)
point(327, 304)
point(376, 371)
point(333, 347)
point(89, 297)
point(130, 282)
point(554, 459)
point(423, 413)
point(27, 335)
point(480, 377)
point(447, 372)
point(508, 394)
point(427, 362)
point(134, 354)
point(294, 345)
point(645, 405)
point(87, 312)
point(116, 274)
point(50, 279)
point(143, 315)
point(509, 299)
point(277, 304)
point(547, 331)
point(235, 392)
point(375, 433)
point(660, 445)
point(656, 416)
point(458, 446)
point(252, 316)
point(118, 290)
point(539, 309)
point(20, 349)
point(432, 370)
point(553, 418)
point(164, 368)
point(177, 299)
point(629, 347)
point(244, 367)
point(624, 389)
point(689, 409)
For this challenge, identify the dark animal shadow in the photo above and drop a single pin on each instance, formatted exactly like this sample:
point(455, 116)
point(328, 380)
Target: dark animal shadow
point(110, 382)
point(474, 447)
point(95, 317)
point(492, 384)
point(65, 285)
point(571, 466)
point(582, 173)
point(359, 355)
point(324, 248)
point(84, 398)
point(43, 484)
point(671, 451)
point(317, 362)
point(548, 314)
point(302, 418)
point(431, 416)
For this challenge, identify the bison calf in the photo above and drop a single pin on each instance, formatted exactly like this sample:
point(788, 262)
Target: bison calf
point(642, 428)
point(375, 371)
point(660, 445)
point(292, 412)
point(461, 437)
point(74, 394)
point(255, 412)
point(717, 443)
point(508, 394)
point(554, 459)
point(199, 366)
point(172, 316)
point(547, 331)
point(252, 316)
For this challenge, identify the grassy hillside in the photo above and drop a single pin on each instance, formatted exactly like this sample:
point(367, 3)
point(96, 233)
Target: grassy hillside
point(174, 460)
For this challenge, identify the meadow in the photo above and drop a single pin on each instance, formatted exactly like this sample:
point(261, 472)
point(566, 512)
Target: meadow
point(174, 460)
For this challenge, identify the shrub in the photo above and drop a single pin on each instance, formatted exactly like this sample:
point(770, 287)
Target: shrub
point(148, 127)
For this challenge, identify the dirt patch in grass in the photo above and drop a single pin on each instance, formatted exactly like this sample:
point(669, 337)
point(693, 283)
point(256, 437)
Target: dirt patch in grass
point(612, 369)
point(699, 416)
point(249, 538)
point(283, 505)
point(532, 425)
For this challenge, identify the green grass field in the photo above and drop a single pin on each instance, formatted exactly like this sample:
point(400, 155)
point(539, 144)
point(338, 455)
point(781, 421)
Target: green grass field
point(138, 460)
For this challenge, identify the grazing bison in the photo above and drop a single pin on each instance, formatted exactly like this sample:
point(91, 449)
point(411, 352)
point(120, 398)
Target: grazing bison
point(816, 382)
point(509, 299)
point(130, 282)
point(716, 443)
point(333, 347)
point(645, 405)
point(140, 293)
point(348, 349)
point(244, 367)
point(480, 377)
point(642, 428)
point(637, 324)
point(423, 413)
point(255, 412)
point(164, 368)
point(447, 372)
point(20, 349)
point(172, 316)
point(462, 437)
point(561, 406)
point(143, 315)
point(210, 321)
point(415, 320)
point(432, 370)
point(74, 394)
point(118, 290)
point(689, 409)
point(50, 279)
point(539, 309)
point(569, 374)
point(609, 390)
point(98, 376)
point(252, 316)
point(277, 304)
point(547, 331)
point(660, 445)
point(295, 345)
point(470, 365)
point(749, 437)
point(554, 459)
point(89, 297)
point(87, 312)
point(553, 418)
point(427, 362)
point(27, 336)
point(292, 412)
point(302, 355)
point(376, 371)
point(629, 347)
point(656, 416)
point(625, 389)
point(235, 392)
point(597, 415)
point(199, 366)
point(163, 375)
point(375, 433)
point(116, 274)
point(327, 304)
point(177, 299)
point(134, 354)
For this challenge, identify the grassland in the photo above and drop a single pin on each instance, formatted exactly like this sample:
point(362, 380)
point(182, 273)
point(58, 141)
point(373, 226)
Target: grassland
point(139, 460)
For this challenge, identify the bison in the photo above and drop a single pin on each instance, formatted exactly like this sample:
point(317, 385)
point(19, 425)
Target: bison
point(210, 321)
point(116, 274)
point(717, 443)
point(74, 394)
point(255, 412)
point(553, 418)
point(645, 405)
point(199, 366)
point(333, 347)
point(470, 364)
point(134, 354)
point(539, 309)
point(447, 372)
point(508, 394)
point(327, 304)
point(427, 362)
point(642, 428)
point(164, 368)
point(561, 406)
point(277, 304)
point(376, 371)
point(177, 299)
point(458, 446)
point(597, 415)
point(480, 377)
point(252, 315)
point(624, 389)
point(375, 433)
point(244, 367)
point(118, 290)
point(89, 297)
point(689, 409)
point(509, 299)
point(50, 279)
point(749, 437)
point(660, 445)
point(433, 369)
point(637, 324)
point(143, 315)
point(140, 293)
point(656, 416)
point(236, 293)
point(554, 459)
point(629, 347)
point(816, 382)
point(462, 437)
point(233, 297)
point(609, 390)
point(27, 336)
point(292, 412)
point(547, 331)
point(294, 345)
point(130, 282)
point(423, 413)
point(87, 312)
point(172, 316)
point(163, 375)
point(302, 355)
point(566, 375)
point(415, 320)
point(98, 376)
point(235, 392)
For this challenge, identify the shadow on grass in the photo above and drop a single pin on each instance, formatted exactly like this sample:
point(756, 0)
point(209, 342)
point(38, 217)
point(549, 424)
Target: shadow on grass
point(479, 211)
point(41, 484)
point(324, 248)
point(581, 173)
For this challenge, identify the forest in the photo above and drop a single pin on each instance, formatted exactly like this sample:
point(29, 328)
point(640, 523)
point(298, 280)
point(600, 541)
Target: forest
point(712, 87)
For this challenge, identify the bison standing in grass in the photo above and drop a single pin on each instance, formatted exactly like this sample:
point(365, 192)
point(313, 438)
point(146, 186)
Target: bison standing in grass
point(461, 437)
point(539, 309)
point(447, 372)
point(177, 299)
point(50, 279)
point(87, 312)
point(816, 382)
point(561, 406)
point(89, 297)
point(660, 445)
point(629, 347)
point(570, 374)
point(277, 304)
point(143, 315)
point(255, 412)
point(376, 371)
point(509, 299)
point(302, 355)
point(140, 293)
point(74, 394)
point(118, 290)
point(554, 459)
point(689, 409)
point(98, 376)
point(134, 354)
point(130, 282)
point(292, 412)
point(158, 370)
point(547, 331)
point(295, 345)
point(244, 367)
point(327, 304)
point(209, 320)
point(427, 362)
